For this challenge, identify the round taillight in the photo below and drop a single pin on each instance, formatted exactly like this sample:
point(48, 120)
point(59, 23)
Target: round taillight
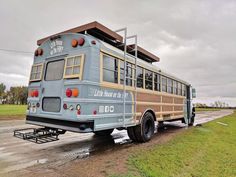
point(75, 92)
point(78, 112)
point(36, 93)
point(68, 92)
point(64, 106)
point(74, 43)
point(40, 51)
point(36, 53)
point(94, 112)
point(81, 41)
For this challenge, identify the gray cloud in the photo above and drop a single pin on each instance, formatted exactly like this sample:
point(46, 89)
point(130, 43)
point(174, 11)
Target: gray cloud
point(195, 39)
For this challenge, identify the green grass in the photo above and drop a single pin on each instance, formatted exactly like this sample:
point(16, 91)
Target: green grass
point(207, 151)
point(208, 109)
point(12, 110)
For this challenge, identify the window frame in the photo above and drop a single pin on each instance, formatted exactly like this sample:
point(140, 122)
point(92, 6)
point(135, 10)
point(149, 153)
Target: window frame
point(117, 71)
point(130, 66)
point(41, 74)
point(170, 85)
point(157, 83)
point(81, 66)
point(143, 77)
point(147, 80)
point(179, 90)
point(46, 68)
point(162, 83)
point(184, 90)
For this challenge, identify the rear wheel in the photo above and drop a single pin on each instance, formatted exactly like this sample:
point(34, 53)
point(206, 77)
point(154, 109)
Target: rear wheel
point(131, 134)
point(143, 132)
point(104, 132)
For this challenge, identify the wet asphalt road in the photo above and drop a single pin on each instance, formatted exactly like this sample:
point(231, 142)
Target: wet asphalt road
point(17, 154)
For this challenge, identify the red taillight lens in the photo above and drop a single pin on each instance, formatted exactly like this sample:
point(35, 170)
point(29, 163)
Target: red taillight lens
point(78, 112)
point(93, 42)
point(68, 92)
point(40, 51)
point(94, 112)
point(81, 41)
point(64, 106)
point(36, 53)
point(36, 93)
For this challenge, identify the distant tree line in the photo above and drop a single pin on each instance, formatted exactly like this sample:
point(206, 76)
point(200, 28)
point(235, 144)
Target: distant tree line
point(16, 95)
point(216, 104)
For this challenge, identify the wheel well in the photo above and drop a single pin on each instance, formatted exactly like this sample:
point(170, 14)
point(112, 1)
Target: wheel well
point(152, 112)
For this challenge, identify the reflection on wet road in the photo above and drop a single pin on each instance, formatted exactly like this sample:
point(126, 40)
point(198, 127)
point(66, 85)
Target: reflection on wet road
point(16, 154)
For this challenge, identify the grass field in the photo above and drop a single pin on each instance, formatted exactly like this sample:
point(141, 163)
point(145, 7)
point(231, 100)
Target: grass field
point(12, 111)
point(207, 151)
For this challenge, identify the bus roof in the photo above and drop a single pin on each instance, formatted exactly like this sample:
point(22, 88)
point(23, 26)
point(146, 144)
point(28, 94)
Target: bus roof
point(107, 35)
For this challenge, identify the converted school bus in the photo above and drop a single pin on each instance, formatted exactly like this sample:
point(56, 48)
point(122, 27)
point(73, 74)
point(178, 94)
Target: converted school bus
point(87, 79)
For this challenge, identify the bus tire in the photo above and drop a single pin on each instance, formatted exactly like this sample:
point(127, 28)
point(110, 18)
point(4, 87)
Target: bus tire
point(145, 130)
point(104, 132)
point(131, 134)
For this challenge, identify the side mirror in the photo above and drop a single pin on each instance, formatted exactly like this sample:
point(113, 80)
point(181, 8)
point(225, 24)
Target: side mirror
point(193, 93)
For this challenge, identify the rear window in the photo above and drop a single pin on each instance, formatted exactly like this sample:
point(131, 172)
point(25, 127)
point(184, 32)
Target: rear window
point(54, 70)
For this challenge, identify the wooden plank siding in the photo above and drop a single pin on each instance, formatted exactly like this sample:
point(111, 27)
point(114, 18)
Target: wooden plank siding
point(162, 105)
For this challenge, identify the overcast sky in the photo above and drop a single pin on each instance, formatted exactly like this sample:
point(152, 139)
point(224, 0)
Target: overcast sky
point(196, 40)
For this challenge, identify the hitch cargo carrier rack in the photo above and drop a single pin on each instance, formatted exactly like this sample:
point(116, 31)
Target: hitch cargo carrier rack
point(37, 135)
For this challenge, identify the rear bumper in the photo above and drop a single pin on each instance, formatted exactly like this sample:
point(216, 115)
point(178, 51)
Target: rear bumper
point(81, 127)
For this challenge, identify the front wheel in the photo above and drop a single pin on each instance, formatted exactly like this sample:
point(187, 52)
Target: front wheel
point(104, 132)
point(191, 121)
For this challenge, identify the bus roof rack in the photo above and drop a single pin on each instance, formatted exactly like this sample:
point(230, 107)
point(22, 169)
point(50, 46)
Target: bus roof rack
point(105, 34)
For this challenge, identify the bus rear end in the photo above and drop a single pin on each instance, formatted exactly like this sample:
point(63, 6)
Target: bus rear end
point(56, 83)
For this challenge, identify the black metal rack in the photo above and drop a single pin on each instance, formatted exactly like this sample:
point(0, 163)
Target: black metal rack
point(37, 135)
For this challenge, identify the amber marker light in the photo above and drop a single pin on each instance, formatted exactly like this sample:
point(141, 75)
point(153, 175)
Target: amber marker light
point(75, 92)
point(32, 93)
point(74, 43)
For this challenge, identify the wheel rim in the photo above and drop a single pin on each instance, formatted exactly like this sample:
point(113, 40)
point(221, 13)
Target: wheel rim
point(148, 129)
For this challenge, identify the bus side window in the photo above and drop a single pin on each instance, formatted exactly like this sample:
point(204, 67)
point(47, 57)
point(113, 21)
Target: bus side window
point(164, 84)
point(183, 90)
point(179, 89)
point(169, 86)
point(129, 73)
point(157, 86)
point(148, 79)
point(175, 87)
point(139, 77)
point(110, 69)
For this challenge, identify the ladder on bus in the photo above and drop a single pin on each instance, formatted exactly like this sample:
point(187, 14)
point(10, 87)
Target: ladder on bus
point(134, 79)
